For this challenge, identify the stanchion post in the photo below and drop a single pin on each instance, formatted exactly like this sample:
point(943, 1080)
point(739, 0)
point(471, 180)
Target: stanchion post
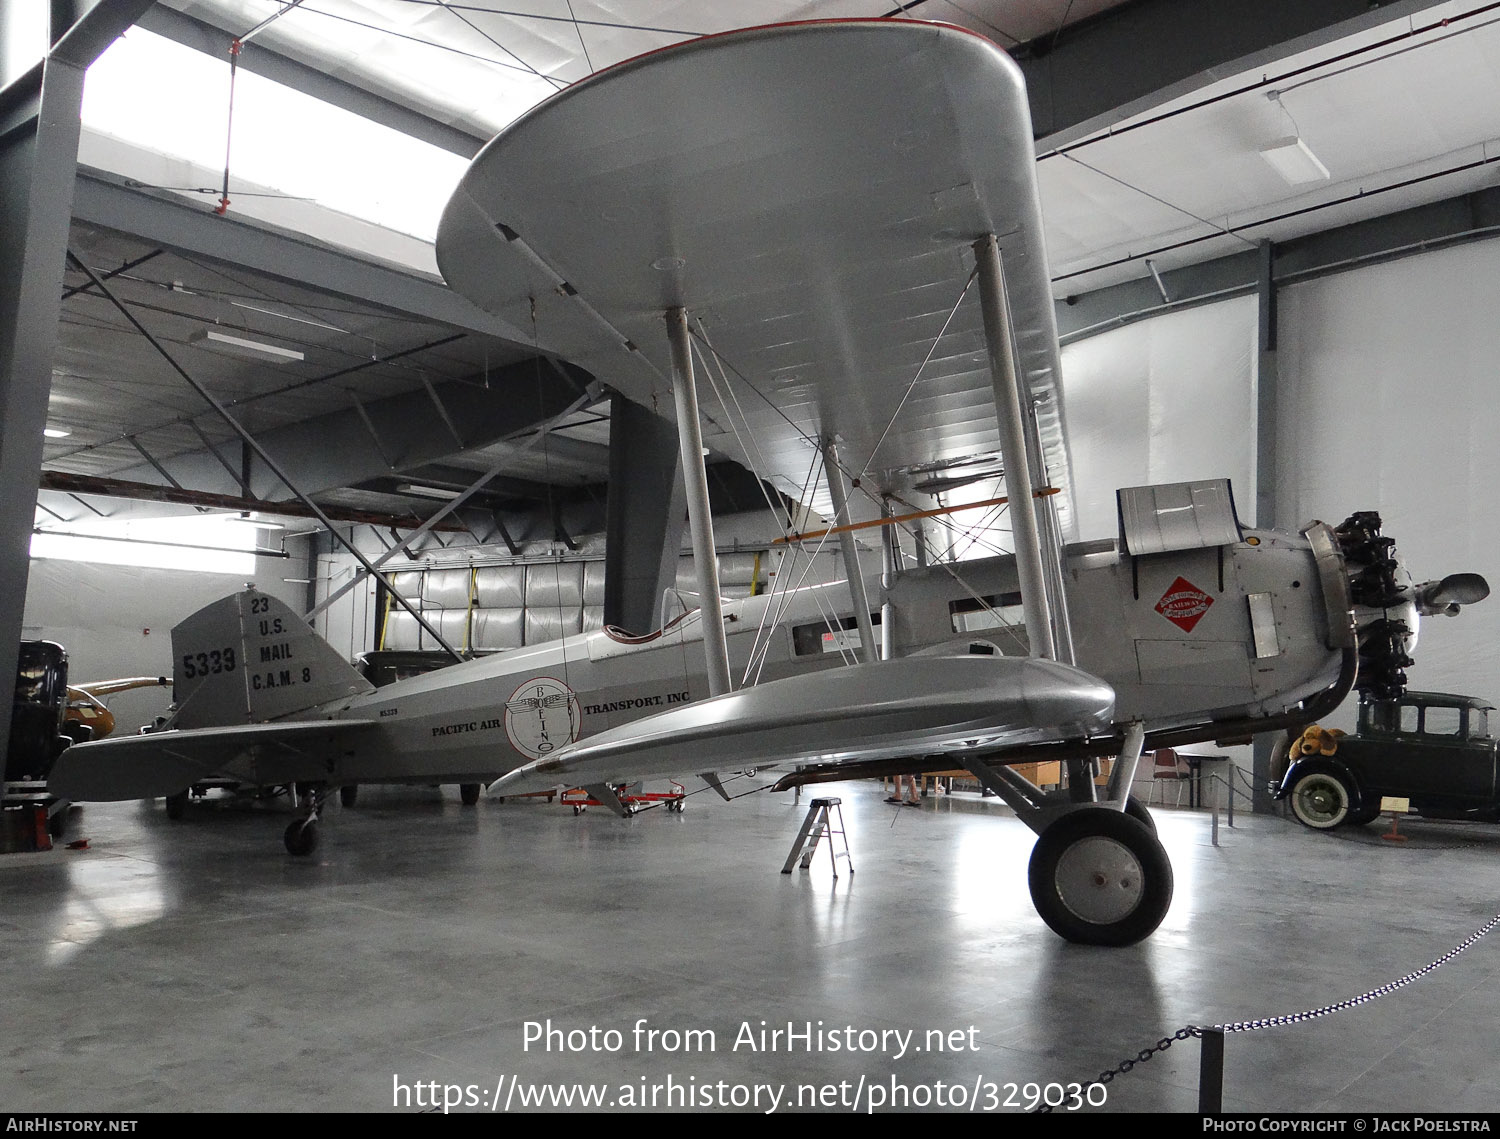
point(1211, 1072)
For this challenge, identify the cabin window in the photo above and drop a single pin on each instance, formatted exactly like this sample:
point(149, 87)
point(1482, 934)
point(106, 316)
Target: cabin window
point(1479, 724)
point(999, 610)
point(818, 637)
point(1411, 718)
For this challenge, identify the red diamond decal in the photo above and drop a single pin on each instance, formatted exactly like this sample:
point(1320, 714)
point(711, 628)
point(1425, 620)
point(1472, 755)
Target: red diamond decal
point(1184, 604)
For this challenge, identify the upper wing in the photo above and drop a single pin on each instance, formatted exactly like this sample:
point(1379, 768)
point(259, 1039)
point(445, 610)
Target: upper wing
point(810, 192)
point(164, 763)
point(902, 707)
point(99, 688)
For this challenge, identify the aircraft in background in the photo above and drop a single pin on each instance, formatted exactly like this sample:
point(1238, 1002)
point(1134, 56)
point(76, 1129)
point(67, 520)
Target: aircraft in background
point(801, 212)
point(88, 717)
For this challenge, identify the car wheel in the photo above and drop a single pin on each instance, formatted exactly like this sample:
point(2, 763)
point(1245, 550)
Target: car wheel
point(1321, 800)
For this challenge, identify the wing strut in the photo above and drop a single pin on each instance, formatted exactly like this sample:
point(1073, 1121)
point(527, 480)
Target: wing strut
point(857, 595)
point(700, 521)
point(890, 564)
point(998, 335)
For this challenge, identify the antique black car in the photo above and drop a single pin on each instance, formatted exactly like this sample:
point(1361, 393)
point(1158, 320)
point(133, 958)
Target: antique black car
point(1432, 748)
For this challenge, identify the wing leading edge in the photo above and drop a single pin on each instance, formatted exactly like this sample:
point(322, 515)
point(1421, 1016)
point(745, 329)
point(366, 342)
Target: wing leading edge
point(907, 706)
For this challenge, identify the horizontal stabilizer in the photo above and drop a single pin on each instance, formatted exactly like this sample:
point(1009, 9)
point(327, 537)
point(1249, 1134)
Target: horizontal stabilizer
point(910, 706)
point(157, 764)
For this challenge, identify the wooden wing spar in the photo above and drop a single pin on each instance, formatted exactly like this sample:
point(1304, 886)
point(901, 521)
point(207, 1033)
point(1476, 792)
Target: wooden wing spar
point(809, 194)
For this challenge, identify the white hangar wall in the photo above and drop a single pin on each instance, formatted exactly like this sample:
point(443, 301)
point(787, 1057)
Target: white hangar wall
point(1389, 401)
point(1162, 400)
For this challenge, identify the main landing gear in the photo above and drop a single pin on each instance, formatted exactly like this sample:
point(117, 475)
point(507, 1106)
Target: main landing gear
point(301, 837)
point(1098, 874)
point(1100, 877)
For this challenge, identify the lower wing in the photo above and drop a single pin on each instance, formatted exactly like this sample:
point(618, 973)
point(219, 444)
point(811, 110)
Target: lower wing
point(909, 706)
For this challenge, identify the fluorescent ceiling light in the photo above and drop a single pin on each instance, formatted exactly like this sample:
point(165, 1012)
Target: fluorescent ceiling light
point(245, 519)
point(427, 491)
point(1291, 158)
point(56, 432)
point(240, 346)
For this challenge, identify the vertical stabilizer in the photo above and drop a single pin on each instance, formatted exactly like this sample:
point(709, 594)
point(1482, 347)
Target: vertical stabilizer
point(247, 659)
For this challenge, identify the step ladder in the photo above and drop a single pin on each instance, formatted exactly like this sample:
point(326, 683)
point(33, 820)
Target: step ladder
point(820, 822)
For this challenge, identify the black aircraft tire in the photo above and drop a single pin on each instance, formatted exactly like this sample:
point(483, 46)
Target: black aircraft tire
point(1100, 877)
point(301, 838)
point(348, 794)
point(468, 793)
point(177, 805)
point(1137, 811)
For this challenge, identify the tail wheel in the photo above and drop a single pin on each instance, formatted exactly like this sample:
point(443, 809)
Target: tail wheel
point(1321, 800)
point(301, 838)
point(468, 793)
point(1100, 877)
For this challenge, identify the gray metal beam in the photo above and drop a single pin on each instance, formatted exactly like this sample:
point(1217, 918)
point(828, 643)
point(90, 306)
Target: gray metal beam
point(1268, 460)
point(1419, 229)
point(645, 513)
point(337, 449)
point(1136, 56)
point(1087, 314)
point(213, 40)
point(40, 108)
point(446, 477)
point(247, 244)
point(1267, 383)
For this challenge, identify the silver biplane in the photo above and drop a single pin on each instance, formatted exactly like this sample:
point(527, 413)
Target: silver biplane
point(839, 221)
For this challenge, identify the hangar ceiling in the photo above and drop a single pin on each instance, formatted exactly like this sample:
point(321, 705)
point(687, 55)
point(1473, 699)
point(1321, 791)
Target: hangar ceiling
point(1401, 103)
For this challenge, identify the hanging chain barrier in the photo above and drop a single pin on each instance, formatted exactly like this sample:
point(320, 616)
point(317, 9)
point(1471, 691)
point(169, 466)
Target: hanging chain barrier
point(1200, 1030)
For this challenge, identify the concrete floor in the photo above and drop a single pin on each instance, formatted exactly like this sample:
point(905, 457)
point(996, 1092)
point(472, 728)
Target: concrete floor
point(196, 966)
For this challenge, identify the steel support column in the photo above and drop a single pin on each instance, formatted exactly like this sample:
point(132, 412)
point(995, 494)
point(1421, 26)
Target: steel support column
point(39, 127)
point(700, 521)
point(1009, 408)
point(645, 512)
point(840, 496)
point(1267, 473)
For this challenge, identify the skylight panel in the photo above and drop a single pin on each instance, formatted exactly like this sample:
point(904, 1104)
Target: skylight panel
point(155, 94)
